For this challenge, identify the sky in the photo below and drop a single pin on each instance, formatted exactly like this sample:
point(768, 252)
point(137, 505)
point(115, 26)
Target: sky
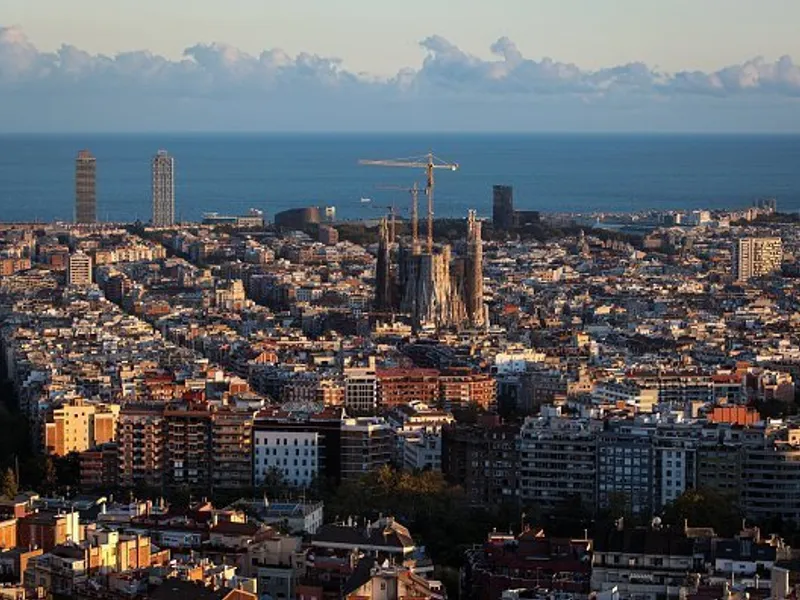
point(639, 65)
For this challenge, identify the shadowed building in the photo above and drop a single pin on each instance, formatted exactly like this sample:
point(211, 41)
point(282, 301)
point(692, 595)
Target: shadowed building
point(503, 207)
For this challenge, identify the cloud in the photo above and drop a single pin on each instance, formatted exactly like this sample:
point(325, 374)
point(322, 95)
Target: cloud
point(448, 77)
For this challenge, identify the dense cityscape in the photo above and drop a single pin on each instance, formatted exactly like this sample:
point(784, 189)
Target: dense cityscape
point(541, 406)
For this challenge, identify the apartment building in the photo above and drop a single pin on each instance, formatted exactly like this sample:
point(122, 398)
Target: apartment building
point(483, 460)
point(231, 448)
point(79, 426)
point(361, 391)
point(189, 447)
point(463, 387)
point(274, 432)
point(79, 269)
point(292, 455)
point(141, 439)
point(770, 481)
point(557, 461)
point(756, 257)
point(646, 564)
point(626, 472)
point(367, 444)
point(99, 467)
point(399, 387)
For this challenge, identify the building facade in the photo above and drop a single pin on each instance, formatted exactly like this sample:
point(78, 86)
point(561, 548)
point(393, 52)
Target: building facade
point(292, 456)
point(503, 207)
point(756, 257)
point(142, 447)
point(557, 462)
point(361, 391)
point(367, 444)
point(163, 190)
point(85, 188)
point(79, 270)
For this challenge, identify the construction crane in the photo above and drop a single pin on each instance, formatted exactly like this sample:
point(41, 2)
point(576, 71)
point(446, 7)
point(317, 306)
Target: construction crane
point(430, 163)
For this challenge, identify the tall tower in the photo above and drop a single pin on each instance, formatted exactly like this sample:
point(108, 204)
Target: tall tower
point(85, 188)
point(163, 190)
point(503, 207)
point(474, 274)
point(383, 283)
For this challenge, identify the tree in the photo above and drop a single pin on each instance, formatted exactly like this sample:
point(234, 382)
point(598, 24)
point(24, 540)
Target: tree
point(49, 478)
point(9, 486)
point(703, 507)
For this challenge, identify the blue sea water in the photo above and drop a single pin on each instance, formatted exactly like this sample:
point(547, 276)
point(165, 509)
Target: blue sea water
point(232, 173)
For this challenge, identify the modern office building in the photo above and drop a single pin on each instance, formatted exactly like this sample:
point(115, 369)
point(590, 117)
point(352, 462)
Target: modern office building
point(163, 190)
point(85, 188)
point(79, 271)
point(503, 207)
point(756, 257)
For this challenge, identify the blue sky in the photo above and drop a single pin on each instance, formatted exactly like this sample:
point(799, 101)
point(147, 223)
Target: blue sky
point(359, 64)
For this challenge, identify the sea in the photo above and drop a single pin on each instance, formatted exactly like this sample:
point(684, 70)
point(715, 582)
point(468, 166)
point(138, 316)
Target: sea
point(232, 173)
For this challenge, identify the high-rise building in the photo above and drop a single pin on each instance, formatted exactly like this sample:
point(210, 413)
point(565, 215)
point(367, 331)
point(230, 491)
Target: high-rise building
point(79, 271)
point(503, 207)
point(85, 188)
point(163, 190)
point(756, 257)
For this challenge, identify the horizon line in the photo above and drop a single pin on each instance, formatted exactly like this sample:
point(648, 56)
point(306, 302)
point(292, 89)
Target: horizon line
point(405, 133)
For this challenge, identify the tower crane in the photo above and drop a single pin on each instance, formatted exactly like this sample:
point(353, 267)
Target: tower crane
point(430, 163)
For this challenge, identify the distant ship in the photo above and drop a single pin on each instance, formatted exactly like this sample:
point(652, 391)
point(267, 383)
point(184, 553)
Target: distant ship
point(365, 200)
